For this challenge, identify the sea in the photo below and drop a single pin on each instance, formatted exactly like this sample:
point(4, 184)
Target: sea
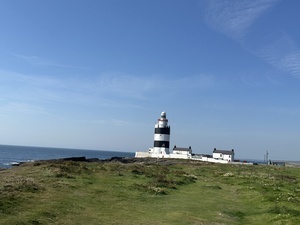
point(11, 155)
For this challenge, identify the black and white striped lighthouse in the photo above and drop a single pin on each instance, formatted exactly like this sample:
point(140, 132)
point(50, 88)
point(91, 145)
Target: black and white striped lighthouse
point(162, 135)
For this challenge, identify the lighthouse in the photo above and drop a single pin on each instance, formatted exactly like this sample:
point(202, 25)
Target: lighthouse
point(161, 136)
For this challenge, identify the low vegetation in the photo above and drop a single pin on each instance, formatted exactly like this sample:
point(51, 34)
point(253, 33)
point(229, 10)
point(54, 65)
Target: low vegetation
point(149, 192)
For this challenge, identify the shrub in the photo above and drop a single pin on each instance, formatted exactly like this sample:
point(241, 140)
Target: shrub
point(22, 184)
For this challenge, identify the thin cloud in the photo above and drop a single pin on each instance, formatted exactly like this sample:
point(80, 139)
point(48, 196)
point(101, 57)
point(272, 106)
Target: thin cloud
point(125, 85)
point(119, 122)
point(141, 87)
point(37, 61)
point(23, 108)
point(234, 17)
point(7, 77)
point(107, 90)
point(102, 122)
point(193, 82)
point(251, 81)
point(291, 63)
point(17, 87)
point(4, 115)
point(110, 122)
point(281, 52)
point(108, 84)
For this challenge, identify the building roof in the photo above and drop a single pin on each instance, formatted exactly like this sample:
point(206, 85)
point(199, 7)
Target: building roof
point(225, 152)
point(182, 149)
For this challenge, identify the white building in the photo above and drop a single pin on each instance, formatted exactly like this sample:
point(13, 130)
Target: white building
point(181, 153)
point(227, 155)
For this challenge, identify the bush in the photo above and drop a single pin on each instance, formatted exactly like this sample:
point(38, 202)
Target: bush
point(21, 184)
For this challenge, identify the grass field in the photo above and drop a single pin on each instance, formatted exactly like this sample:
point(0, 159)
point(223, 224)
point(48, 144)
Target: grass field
point(149, 192)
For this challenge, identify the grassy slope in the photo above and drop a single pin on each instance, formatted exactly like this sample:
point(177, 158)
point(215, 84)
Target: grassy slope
point(181, 192)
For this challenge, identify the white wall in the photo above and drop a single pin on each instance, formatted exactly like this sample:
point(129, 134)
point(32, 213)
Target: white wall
point(181, 152)
point(142, 154)
point(180, 156)
point(223, 156)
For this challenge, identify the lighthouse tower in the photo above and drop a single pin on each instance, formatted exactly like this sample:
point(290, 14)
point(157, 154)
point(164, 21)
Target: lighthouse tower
point(162, 136)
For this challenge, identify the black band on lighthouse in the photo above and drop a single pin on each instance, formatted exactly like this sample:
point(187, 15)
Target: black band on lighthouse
point(165, 130)
point(161, 144)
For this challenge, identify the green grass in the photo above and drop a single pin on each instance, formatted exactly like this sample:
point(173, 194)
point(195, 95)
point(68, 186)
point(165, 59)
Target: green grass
point(155, 192)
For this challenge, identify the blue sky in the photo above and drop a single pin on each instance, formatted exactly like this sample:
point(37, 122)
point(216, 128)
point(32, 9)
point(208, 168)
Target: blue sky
point(96, 74)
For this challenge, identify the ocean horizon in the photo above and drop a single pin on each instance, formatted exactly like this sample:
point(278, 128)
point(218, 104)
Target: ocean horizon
point(13, 154)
